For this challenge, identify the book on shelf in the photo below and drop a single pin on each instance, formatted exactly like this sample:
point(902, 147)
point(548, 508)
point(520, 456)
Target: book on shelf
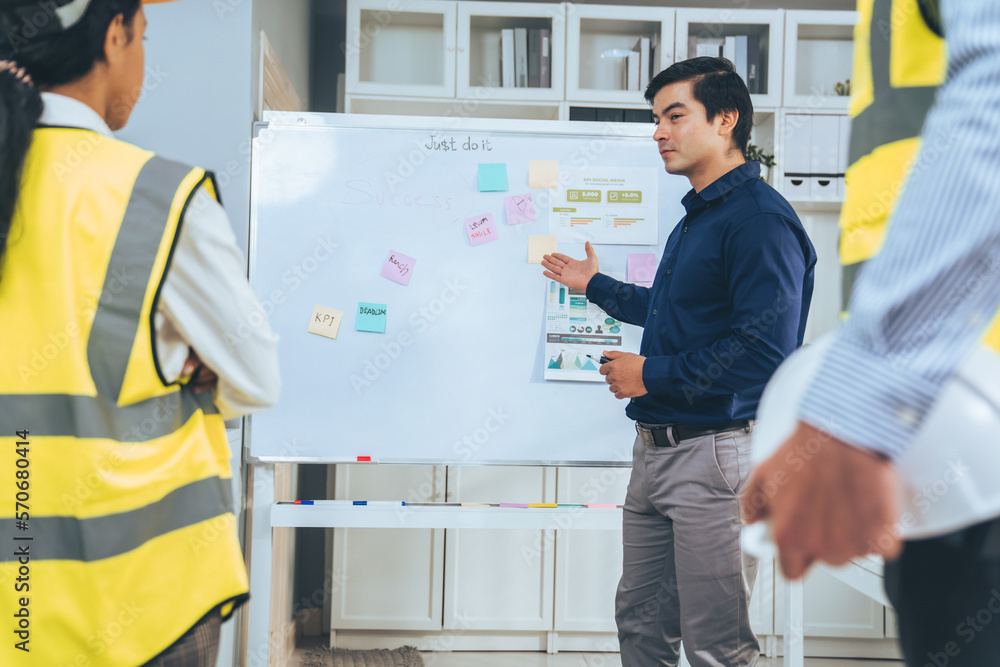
point(521, 57)
point(545, 66)
point(534, 58)
point(507, 57)
point(632, 71)
point(755, 68)
point(654, 55)
point(705, 46)
point(642, 48)
point(740, 57)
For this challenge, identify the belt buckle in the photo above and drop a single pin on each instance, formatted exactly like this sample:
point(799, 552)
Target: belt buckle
point(659, 437)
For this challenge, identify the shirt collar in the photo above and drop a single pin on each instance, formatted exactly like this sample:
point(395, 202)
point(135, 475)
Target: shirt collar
point(62, 111)
point(722, 186)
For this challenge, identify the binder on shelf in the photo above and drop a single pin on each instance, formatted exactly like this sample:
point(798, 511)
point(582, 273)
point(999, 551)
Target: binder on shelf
point(642, 48)
point(545, 62)
point(632, 71)
point(740, 55)
point(754, 70)
point(534, 58)
point(507, 57)
point(654, 56)
point(729, 49)
point(521, 57)
point(706, 46)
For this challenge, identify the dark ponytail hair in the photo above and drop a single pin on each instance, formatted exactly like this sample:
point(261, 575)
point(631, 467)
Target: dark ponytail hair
point(50, 59)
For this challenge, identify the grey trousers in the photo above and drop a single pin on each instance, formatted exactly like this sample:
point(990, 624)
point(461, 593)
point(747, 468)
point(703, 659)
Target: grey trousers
point(685, 575)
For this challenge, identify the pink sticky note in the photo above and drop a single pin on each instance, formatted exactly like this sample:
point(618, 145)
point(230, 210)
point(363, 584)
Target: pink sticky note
point(481, 229)
point(520, 209)
point(398, 267)
point(641, 267)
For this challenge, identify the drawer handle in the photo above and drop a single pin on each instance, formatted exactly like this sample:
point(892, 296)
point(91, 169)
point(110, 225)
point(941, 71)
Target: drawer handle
point(824, 183)
point(797, 181)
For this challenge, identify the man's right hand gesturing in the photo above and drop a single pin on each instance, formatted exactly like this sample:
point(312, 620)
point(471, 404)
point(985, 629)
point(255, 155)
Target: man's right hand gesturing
point(573, 273)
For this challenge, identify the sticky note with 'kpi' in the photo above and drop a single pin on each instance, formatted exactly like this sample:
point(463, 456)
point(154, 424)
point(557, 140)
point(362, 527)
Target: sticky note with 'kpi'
point(481, 229)
point(371, 317)
point(543, 174)
point(398, 267)
point(493, 177)
point(539, 246)
point(520, 209)
point(325, 321)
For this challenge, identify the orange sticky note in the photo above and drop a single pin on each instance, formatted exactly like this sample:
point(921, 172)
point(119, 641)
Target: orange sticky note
point(538, 246)
point(543, 174)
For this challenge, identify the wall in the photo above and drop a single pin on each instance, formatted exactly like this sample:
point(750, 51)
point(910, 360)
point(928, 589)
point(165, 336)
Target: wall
point(287, 24)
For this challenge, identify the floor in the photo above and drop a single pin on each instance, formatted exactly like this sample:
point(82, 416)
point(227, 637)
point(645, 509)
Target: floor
point(522, 659)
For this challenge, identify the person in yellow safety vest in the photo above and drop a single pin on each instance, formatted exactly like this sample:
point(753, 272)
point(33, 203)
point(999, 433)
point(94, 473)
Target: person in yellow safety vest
point(129, 333)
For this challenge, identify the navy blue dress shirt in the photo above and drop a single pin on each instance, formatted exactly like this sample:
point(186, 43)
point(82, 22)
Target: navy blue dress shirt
point(728, 303)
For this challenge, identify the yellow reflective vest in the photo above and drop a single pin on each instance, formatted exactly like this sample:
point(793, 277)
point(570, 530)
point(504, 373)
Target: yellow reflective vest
point(900, 60)
point(121, 535)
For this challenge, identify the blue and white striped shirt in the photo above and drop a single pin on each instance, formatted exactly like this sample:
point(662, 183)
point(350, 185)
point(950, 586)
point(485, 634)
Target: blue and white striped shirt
point(924, 301)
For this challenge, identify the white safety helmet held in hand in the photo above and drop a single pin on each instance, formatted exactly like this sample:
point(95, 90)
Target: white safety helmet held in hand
point(951, 471)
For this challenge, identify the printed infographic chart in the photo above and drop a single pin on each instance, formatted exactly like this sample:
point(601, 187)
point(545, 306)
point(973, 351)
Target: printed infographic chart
point(606, 205)
point(576, 333)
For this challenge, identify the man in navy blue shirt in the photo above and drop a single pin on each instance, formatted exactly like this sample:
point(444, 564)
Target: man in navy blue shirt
point(727, 305)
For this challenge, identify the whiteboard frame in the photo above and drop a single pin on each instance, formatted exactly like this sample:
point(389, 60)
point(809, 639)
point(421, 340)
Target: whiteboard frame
point(279, 119)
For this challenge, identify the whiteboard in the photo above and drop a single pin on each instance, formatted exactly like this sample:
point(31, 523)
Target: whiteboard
point(457, 377)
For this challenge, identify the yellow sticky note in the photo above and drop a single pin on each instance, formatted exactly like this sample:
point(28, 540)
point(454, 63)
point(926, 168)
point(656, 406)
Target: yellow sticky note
point(539, 246)
point(325, 321)
point(543, 174)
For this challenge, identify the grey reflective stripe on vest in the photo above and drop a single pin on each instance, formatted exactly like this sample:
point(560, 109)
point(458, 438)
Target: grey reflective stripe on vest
point(129, 272)
point(895, 113)
point(62, 415)
point(88, 540)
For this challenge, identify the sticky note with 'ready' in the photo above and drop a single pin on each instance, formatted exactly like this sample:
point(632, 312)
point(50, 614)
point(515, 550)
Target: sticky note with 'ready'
point(398, 267)
point(493, 177)
point(326, 321)
point(481, 229)
point(539, 246)
point(543, 174)
point(371, 317)
point(641, 267)
point(520, 209)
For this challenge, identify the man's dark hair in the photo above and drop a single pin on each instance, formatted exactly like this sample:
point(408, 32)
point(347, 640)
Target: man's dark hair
point(717, 86)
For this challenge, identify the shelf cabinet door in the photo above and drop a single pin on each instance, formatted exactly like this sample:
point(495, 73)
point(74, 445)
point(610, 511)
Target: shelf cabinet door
point(379, 31)
point(832, 608)
point(598, 39)
point(480, 49)
point(819, 53)
point(387, 578)
point(764, 33)
point(499, 579)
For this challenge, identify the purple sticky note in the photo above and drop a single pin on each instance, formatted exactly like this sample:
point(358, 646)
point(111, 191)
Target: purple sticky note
point(520, 209)
point(398, 267)
point(481, 229)
point(641, 267)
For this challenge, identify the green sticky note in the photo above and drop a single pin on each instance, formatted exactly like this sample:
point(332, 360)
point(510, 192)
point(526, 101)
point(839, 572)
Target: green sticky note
point(371, 317)
point(493, 177)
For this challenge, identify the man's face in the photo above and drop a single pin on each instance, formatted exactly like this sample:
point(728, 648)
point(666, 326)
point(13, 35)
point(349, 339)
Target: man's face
point(126, 71)
point(686, 140)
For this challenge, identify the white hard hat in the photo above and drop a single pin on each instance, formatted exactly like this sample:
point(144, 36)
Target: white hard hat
point(951, 471)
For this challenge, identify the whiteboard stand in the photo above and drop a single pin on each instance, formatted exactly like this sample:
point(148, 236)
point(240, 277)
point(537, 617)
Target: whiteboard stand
point(267, 514)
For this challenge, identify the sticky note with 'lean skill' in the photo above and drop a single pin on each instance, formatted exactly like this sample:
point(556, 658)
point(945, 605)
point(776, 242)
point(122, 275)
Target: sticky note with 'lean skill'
point(543, 174)
point(481, 229)
point(325, 321)
point(539, 246)
point(398, 267)
point(371, 317)
point(493, 177)
point(520, 209)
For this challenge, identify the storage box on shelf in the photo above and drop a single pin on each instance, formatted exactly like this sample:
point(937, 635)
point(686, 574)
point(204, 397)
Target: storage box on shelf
point(378, 31)
point(601, 41)
point(819, 55)
point(511, 51)
point(815, 156)
point(751, 38)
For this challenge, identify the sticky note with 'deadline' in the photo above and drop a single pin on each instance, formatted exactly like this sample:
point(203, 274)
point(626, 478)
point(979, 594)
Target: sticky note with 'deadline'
point(481, 229)
point(539, 246)
point(371, 317)
point(543, 174)
point(493, 177)
point(520, 209)
point(398, 267)
point(326, 321)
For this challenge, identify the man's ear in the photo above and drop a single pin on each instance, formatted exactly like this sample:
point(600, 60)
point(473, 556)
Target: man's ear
point(728, 119)
point(116, 39)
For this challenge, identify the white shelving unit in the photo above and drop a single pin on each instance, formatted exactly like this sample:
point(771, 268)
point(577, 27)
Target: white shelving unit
point(819, 54)
point(601, 35)
point(766, 25)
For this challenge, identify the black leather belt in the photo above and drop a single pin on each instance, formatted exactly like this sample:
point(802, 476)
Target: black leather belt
point(669, 435)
